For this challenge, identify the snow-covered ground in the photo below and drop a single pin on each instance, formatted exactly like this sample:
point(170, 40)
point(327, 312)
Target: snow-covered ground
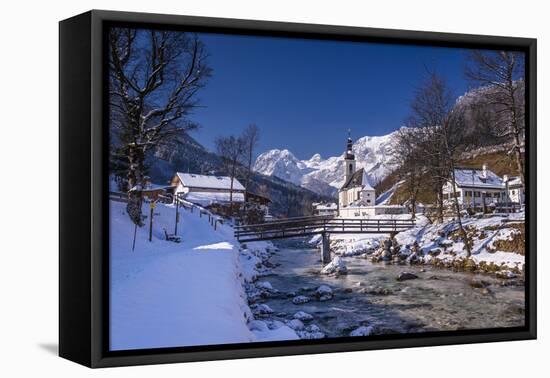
point(493, 238)
point(167, 294)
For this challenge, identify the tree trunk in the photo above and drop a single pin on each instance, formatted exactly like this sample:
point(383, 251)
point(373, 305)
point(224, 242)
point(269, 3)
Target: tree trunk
point(458, 215)
point(515, 129)
point(249, 170)
point(517, 152)
point(231, 188)
point(439, 200)
point(135, 179)
point(413, 208)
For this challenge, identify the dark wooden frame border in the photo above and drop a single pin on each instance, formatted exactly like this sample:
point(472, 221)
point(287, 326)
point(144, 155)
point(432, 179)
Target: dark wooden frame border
point(83, 218)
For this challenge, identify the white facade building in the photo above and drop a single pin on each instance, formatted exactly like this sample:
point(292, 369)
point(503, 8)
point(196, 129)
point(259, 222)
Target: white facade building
point(356, 189)
point(476, 187)
point(514, 189)
point(325, 209)
point(357, 198)
point(206, 190)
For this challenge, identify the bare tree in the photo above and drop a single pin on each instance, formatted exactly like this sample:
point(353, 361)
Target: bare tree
point(502, 73)
point(407, 156)
point(154, 77)
point(231, 149)
point(442, 138)
point(428, 109)
point(250, 136)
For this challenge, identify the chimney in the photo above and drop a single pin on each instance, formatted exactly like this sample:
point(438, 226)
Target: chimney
point(505, 178)
point(484, 171)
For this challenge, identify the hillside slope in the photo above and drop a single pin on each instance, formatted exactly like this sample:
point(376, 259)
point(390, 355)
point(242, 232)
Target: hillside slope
point(496, 157)
point(188, 155)
point(166, 294)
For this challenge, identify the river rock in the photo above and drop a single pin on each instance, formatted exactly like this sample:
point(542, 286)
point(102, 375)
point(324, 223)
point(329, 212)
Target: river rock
point(377, 290)
point(257, 325)
point(362, 331)
point(505, 274)
point(295, 324)
point(404, 276)
point(261, 309)
point(300, 299)
point(310, 335)
point(312, 331)
point(478, 284)
point(303, 316)
point(335, 267)
point(313, 328)
point(324, 293)
point(264, 285)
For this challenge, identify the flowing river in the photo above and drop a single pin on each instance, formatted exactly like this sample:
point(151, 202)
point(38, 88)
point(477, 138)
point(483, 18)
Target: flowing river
point(370, 295)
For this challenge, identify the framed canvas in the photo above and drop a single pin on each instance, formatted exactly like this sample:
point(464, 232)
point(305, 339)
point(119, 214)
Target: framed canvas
point(234, 188)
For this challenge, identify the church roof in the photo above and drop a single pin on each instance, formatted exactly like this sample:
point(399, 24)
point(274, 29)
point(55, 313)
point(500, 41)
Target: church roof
point(358, 178)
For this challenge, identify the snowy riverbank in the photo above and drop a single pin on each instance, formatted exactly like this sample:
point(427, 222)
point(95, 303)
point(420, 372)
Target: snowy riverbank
point(497, 245)
point(167, 294)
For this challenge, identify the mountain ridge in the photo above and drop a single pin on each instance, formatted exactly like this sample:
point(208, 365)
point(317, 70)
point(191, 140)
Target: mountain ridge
point(326, 176)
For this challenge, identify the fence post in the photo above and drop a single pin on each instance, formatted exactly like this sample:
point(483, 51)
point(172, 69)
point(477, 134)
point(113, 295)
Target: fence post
point(325, 248)
point(152, 206)
point(177, 217)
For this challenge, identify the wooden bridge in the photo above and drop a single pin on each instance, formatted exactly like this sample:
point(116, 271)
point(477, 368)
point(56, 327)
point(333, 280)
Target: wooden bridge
point(308, 226)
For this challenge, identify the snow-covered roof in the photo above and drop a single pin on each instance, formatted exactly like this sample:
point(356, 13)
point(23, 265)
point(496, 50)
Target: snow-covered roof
point(325, 206)
point(358, 178)
point(514, 182)
point(208, 182)
point(471, 177)
point(149, 188)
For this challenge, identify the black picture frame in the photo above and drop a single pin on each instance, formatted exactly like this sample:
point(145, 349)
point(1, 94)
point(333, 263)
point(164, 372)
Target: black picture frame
point(83, 227)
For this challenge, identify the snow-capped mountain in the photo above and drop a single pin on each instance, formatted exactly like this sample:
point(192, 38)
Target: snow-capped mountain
point(326, 176)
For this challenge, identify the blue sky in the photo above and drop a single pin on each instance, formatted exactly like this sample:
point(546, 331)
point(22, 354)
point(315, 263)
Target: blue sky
point(305, 94)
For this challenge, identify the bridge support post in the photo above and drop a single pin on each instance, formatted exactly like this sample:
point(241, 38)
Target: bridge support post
point(325, 248)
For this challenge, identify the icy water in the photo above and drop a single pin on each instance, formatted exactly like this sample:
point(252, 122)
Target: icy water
point(370, 295)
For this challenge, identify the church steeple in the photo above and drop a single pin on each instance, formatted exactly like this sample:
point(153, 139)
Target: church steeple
point(349, 147)
point(349, 158)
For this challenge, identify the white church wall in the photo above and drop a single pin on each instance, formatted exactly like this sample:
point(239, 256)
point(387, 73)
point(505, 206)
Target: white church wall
point(365, 212)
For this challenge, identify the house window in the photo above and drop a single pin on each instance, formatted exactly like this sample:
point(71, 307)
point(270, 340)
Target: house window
point(358, 195)
point(368, 201)
point(513, 192)
point(477, 194)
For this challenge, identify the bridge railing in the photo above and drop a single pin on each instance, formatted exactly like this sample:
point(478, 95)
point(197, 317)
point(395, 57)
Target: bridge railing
point(317, 225)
